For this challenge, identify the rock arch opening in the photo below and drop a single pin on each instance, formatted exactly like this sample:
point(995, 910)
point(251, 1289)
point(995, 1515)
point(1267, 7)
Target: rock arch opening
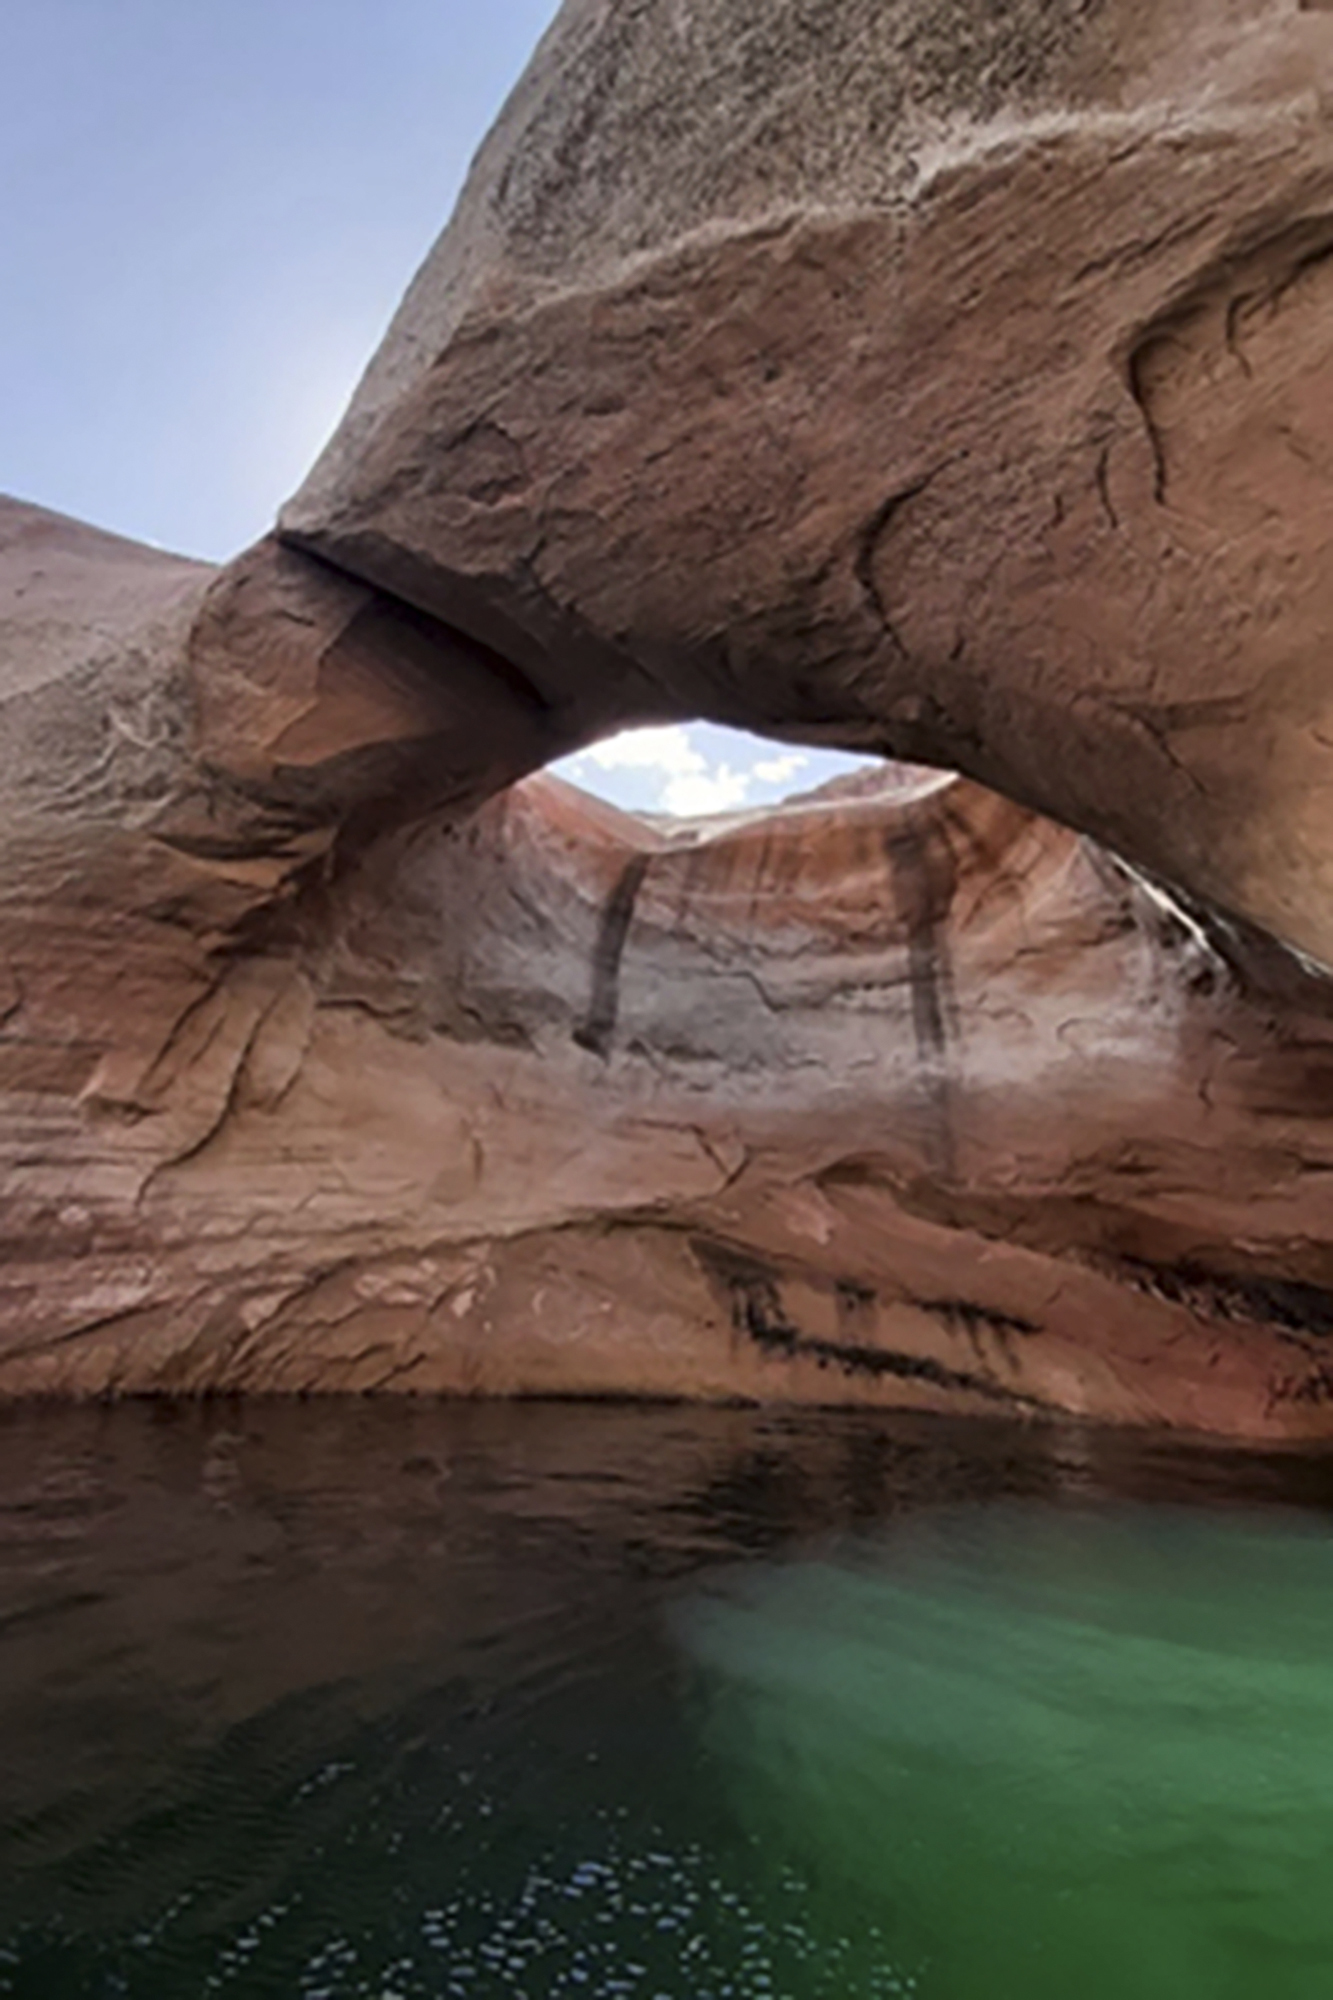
point(683, 771)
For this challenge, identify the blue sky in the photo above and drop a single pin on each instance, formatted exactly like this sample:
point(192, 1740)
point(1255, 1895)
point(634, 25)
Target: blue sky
point(696, 768)
point(212, 208)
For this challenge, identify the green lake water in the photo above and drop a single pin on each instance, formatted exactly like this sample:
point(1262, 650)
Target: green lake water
point(556, 1700)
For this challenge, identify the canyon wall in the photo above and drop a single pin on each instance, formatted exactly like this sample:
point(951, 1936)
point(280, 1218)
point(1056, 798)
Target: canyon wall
point(927, 378)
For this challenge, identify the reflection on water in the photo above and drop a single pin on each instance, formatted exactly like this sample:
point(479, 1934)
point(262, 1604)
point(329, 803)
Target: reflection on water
point(397, 1700)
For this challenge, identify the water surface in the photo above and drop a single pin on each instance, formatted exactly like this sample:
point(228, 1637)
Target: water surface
point(397, 1700)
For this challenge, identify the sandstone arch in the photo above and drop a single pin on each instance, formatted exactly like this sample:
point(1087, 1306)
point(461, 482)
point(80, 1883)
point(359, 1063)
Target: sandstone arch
point(930, 378)
point(973, 364)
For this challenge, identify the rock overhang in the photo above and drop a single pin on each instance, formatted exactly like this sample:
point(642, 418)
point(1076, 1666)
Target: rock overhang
point(944, 444)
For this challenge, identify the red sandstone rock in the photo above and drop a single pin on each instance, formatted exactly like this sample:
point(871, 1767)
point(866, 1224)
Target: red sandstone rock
point(946, 379)
point(906, 1097)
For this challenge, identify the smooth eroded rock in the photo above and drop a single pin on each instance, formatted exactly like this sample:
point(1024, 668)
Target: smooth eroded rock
point(926, 375)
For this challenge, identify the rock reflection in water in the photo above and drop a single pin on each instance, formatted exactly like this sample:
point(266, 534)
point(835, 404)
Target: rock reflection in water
point(427, 1700)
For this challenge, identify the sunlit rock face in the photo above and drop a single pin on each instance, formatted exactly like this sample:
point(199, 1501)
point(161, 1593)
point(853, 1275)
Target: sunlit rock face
point(949, 379)
point(315, 1077)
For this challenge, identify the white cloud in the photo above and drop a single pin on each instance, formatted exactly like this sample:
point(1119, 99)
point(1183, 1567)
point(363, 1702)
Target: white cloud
point(777, 770)
point(667, 749)
point(689, 769)
point(689, 793)
point(687, 781)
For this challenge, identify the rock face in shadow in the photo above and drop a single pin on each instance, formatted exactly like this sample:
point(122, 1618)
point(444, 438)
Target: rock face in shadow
point(310, 1080)
point(948, 379)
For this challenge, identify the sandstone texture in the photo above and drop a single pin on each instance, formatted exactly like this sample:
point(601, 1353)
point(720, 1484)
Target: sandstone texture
point(930, 377)
point(901, 1094)
point(942, 377)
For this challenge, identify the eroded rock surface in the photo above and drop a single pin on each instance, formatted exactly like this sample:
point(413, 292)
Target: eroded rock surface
point(901, 1094)
point(940, 377)
point(921, 375)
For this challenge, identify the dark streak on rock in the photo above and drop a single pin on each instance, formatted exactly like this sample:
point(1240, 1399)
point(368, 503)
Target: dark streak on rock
point(1291, 1305)
point(855, 1301)
point(599, 1024)
point(971, 1317)
point(758, 1313)
point(1314, 1388)
point(922, 870)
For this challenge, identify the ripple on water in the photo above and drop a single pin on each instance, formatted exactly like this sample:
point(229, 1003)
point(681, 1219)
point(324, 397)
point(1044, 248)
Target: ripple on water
point(680, 1706)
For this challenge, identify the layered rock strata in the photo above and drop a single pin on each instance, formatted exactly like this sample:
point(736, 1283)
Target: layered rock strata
point(928, 377)
point(902, 1095)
